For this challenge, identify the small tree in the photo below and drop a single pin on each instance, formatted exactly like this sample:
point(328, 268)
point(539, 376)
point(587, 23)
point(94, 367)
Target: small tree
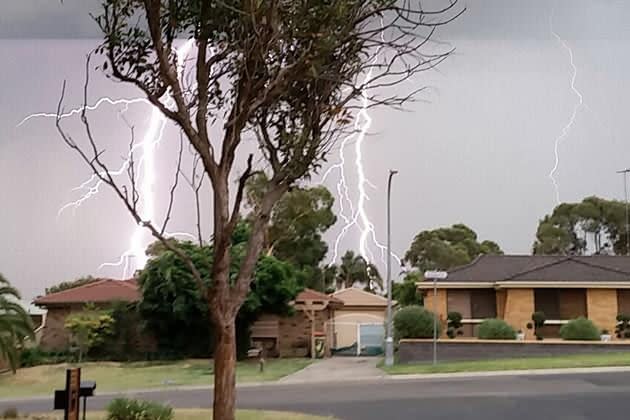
point(454, 323)
point(538, 319)
point(89, 328)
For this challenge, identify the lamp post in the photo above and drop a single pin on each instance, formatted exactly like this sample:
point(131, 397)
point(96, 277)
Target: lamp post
point(435, 276)
point(625, 195)
point(389, 341)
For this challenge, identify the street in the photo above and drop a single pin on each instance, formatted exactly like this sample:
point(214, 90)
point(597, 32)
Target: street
point(564, 396)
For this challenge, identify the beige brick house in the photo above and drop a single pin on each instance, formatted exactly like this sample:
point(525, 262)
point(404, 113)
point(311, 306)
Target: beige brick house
point(512, 287)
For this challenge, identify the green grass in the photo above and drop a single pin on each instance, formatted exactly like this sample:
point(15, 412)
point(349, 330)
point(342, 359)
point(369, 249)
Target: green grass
point(569, 361)
point(109, 376)
point(198, 414)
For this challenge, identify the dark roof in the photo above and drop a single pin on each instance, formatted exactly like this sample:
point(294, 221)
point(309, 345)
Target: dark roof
point(544, 268)
point(100, 291)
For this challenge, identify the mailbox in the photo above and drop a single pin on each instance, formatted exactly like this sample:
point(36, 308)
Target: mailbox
point(86, 389)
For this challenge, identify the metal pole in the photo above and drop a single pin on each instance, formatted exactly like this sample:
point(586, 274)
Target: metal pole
point(435, 321)
point(625, 194)
point(389, 341)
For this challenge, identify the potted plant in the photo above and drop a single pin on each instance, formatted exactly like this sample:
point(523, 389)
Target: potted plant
point(520, 335)
point(605, 335)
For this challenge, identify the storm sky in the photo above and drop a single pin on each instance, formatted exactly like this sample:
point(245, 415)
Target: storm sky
point(476, 149)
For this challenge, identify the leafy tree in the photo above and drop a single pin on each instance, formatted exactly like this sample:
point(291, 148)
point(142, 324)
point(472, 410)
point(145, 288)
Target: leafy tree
point(89, 328)
point(70, 284)
point(298, 221)
point(175, 311)
point(15, 324)
point(407, 293)
point(595, 225)
point(259, 70)
point(446, 248)
point(355, 270)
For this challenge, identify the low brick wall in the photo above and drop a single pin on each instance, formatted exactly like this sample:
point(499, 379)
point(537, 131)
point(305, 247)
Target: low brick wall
point(410, 351)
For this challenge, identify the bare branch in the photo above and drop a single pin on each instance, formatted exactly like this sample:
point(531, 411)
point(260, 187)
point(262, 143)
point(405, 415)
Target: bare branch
point(174, 186)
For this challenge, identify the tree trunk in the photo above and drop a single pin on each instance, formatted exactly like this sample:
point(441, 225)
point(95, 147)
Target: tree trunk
point(225, 372)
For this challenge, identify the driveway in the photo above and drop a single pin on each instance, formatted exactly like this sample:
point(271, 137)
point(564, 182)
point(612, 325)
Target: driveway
point(337, 368)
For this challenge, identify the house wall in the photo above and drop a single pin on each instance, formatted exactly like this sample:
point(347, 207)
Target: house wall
point(501, 296)
point(601, 307)
point(54, 336)
point(440, 307)
point(519, 306)
point(295, 332)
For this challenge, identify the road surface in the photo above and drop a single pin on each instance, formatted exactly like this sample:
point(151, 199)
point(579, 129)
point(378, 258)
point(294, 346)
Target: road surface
point(526, 397)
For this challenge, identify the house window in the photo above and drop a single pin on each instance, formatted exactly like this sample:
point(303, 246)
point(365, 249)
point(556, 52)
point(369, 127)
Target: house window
point(473, 304)
point(623, 301)
point(560, 304)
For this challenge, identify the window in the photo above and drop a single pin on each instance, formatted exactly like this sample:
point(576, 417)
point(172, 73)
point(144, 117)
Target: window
point(475, 304)
point(560, 304)
point(623, 301)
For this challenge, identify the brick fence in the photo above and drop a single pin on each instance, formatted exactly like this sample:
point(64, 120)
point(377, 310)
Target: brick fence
point(410, 351)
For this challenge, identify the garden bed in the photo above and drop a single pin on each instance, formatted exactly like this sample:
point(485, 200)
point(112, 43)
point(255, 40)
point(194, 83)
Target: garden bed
point(421, 350)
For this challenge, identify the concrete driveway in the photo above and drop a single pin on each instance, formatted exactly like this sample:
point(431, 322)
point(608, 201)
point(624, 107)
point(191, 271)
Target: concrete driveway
point(337, 368)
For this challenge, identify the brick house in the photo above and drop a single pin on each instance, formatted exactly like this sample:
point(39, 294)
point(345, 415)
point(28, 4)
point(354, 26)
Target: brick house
point(102, 293)
point(293, 336)
point(512, 287)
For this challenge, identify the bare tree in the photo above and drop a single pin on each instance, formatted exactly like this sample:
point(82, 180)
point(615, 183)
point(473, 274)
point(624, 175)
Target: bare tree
point(289, 73)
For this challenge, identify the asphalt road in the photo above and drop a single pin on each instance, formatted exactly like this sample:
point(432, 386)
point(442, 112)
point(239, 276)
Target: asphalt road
point(565, 397)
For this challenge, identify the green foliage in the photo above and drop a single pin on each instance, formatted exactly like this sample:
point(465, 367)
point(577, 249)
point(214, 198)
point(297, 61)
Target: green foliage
point(35, 356)
point(496, 329)
point(454, 323)
point(89, 328)
point(622, 329)
point(174, 310)
point(298, 221)
point(407, 293)
point(574, 228)
point(446, 248)
point(70, 284)
point(414, 322)
point(580, 329)
point(123, 342)
point(129, 409)
point(539, 319)
point(15, 324)
point(355, 270)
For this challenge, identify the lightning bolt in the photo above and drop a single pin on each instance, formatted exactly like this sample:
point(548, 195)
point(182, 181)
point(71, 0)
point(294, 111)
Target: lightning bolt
point(565, 130)
point(134, 257)
point(357, 217)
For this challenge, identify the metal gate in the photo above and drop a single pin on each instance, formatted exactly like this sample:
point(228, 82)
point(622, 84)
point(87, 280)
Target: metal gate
point(356, 338)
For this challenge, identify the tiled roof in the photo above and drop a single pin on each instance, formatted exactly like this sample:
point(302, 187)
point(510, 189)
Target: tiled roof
point(546, 268)
point(103, 290)
point(353, 296)
point(310, 294)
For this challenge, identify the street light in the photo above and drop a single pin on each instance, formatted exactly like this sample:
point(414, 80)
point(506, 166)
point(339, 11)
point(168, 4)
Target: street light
point(625, 194)
point(389, 341)
point(435, 276)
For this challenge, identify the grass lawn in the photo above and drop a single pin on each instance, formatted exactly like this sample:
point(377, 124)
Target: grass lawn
point(569, 361)
point(109, 376)
point(196, 414)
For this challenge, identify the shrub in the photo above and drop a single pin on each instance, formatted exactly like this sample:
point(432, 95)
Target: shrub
point(454, 322)
point(496, 329)
point(129, 409)
point(35, 356)
point(414, 322)
point(622, 330)
point(539, 319)
point(579, 329)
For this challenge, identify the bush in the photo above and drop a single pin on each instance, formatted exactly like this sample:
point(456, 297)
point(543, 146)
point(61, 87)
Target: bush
point(35, 356)
point(128, 409)
point(414, 322)
point(496, 329)
point(454, 322)
point(580, 329)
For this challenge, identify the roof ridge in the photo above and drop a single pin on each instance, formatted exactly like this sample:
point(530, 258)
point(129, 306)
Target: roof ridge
point(361, 291)
point(562, 258)
point(602, 267)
